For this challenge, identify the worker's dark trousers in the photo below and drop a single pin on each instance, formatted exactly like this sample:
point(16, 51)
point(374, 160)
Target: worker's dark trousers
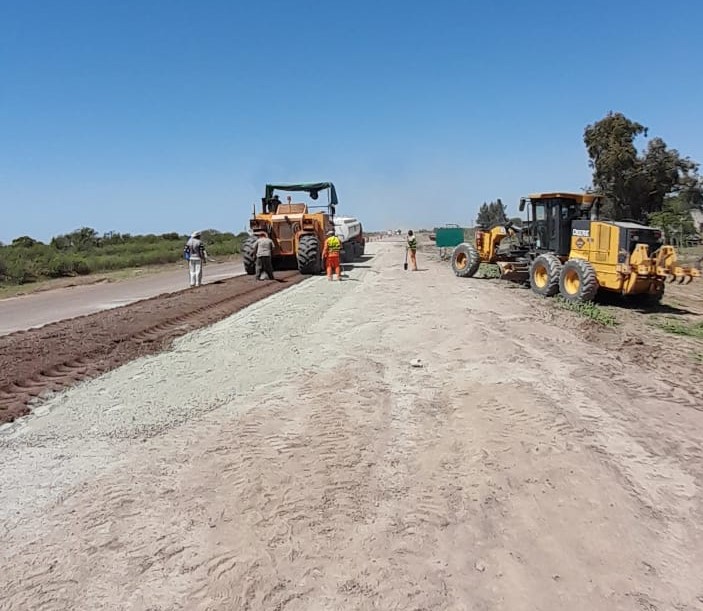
point(264, 264)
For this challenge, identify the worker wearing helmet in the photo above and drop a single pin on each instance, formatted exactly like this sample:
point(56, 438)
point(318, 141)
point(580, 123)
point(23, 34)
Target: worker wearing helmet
point(330, 254)
point(196, 255)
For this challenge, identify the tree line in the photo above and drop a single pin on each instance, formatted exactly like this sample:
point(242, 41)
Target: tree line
point(85, 251)
point(656, 185)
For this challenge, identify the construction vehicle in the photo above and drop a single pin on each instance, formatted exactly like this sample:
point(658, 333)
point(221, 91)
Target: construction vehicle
point(297, 232)
point(565, 248)
point(350, 231)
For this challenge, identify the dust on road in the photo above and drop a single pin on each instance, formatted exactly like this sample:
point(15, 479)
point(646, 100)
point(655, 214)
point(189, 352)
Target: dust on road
point(290, 457)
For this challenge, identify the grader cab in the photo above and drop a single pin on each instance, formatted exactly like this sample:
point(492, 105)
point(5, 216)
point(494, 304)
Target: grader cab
point(565, 248)
point(297, 231)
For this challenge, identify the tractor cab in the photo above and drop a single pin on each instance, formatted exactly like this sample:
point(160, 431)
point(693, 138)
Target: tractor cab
point(550, 216)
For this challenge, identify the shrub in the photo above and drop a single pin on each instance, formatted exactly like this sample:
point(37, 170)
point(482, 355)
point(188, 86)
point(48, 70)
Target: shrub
point(83, 252)
point(681, 328)
point(588, 310)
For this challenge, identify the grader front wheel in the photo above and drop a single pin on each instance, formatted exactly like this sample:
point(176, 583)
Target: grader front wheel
point(465, 260)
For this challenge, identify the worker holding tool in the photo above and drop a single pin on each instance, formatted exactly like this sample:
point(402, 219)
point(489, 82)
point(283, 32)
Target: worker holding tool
point(263, 249)
point(196, 255)
point(330, 255)
point(412, 249)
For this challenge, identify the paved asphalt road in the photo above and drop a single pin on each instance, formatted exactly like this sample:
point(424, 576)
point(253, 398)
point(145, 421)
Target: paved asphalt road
point(38, 309)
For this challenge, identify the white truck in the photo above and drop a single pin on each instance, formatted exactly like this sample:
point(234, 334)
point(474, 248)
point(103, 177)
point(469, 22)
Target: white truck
point(350, 231)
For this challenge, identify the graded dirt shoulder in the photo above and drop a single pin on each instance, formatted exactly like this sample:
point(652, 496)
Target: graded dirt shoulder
point(290, 456)
point(40, 361)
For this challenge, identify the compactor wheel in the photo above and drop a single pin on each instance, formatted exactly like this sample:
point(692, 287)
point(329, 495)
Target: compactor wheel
point(248, 255)
point(309, 255)
point(348, 252)
point(578, 281)
point(465, 260)
point(544, 275)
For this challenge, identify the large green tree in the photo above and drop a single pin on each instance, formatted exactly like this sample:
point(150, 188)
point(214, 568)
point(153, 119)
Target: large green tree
point(675, 219)
point(491, 214)
point(635, 183)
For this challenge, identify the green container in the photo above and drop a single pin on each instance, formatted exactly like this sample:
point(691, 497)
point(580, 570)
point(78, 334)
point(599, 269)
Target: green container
point(448, 237)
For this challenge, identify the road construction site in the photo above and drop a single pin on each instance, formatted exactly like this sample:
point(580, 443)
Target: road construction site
point(397, 440)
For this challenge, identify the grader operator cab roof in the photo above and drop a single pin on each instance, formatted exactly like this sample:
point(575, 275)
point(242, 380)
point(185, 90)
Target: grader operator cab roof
point(311, 188)
point(585, 199)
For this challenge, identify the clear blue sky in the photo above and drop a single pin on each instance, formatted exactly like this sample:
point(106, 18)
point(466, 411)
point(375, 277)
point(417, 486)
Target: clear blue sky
point(155, 116)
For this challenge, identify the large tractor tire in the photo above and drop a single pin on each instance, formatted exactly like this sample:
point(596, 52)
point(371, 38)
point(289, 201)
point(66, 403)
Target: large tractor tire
point(248, 255)
point(358, 250)
point(348, 252)
point(465, 260)
point(544, 275)
point(309, 254)
point(578, 281)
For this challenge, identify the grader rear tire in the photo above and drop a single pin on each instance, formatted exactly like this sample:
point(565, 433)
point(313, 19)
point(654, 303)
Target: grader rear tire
point(248, 255)
point(309, 255)
point(544, 275)
point(578, 281)
point(465, 260)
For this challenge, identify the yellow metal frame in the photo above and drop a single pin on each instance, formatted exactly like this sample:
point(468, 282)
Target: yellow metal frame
point(316, 223)
point(640, 272)
point(487, 242)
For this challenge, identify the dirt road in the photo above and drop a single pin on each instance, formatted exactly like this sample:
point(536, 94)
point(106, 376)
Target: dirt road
point(37, 309)
point(290, 457)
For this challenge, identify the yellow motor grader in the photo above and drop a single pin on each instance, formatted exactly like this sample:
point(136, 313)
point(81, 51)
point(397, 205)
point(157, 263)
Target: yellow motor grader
point(565, 248)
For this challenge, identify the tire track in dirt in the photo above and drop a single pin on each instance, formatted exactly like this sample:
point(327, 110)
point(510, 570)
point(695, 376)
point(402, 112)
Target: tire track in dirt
point(609, 424)
point(299, 476)
point(38, 362)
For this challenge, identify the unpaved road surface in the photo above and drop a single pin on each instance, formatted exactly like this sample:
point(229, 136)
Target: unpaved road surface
point(289, 457)
point(41, 308)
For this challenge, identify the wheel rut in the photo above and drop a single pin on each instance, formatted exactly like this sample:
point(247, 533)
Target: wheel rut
point(37, 362)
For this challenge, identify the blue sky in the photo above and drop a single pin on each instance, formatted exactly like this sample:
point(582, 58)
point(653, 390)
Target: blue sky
point(157, 116)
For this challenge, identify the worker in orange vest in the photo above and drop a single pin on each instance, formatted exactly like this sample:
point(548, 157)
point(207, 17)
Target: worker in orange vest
point(330, 254)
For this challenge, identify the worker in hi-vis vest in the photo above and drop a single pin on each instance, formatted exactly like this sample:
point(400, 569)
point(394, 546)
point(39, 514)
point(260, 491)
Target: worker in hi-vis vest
point(412, 249)
point(331, 253)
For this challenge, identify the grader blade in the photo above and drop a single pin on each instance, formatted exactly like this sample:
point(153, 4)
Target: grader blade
point(512, 272)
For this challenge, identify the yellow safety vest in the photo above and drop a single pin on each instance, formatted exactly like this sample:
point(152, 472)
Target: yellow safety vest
point(333, 244)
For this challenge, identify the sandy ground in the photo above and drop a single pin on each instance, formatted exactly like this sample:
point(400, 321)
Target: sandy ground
point(289, 457)
point(41, 308)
